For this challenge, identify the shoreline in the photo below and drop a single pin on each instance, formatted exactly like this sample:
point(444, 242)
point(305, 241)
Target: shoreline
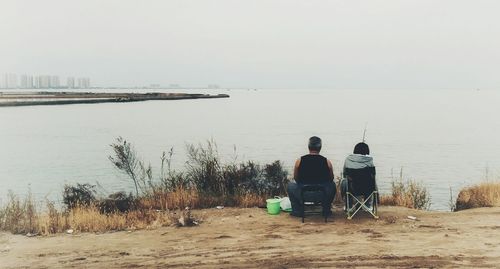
point(67, 98)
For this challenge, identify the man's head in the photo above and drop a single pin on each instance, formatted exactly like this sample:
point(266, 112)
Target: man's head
point(361, 148)
point(315, 144)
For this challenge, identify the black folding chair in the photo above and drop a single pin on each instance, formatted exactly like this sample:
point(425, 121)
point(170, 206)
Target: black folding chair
point(361, 183)
point(312, 195)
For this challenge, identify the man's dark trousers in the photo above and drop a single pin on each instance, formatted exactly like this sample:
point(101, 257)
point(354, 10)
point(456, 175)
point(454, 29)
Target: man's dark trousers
point(294, 190)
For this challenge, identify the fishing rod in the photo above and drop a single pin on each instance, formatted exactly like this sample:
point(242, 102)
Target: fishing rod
point(364, 132)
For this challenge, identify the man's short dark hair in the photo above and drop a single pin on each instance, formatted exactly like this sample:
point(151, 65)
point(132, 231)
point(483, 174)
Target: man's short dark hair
point(314, 143)
point(362, 148)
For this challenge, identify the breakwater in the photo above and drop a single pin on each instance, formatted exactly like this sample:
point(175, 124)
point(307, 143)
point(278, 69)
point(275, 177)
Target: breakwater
point(66, 98)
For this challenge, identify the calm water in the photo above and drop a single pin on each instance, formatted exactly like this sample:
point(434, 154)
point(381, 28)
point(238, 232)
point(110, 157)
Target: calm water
point(443, 138)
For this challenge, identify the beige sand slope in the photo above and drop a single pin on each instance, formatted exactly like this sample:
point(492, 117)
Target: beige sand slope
point(249, 238)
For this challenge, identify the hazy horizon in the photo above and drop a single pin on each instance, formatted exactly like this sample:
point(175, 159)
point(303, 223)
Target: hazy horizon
point(415, 44)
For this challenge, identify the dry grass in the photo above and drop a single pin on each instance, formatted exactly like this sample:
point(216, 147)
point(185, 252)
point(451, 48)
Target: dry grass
point(338, 195)
point(181, 198)
point(90, 219)
point(485, 194)
point(151, 211)
point(22, 217)
point(19, 216)
point(178, 199)
point(251, 200)
point(409, 194)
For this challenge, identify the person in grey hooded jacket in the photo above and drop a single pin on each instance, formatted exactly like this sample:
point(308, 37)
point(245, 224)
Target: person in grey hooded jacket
point(358, 160)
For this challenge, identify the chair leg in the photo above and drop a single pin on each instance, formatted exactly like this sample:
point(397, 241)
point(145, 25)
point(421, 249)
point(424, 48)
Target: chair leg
point(357, 205)
point(323, 202)
point(303, 212)
point(348, 205)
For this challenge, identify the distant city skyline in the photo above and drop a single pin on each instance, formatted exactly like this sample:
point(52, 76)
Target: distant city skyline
point(28, 81)
point(25, 81)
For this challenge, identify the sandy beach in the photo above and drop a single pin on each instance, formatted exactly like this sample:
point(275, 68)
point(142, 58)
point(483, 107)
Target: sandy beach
point(250, 238)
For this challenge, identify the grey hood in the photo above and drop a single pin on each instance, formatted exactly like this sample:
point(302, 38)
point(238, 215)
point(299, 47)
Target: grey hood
point(358, 161)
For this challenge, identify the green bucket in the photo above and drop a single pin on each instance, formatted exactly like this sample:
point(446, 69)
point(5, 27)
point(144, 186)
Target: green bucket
point(273, 206)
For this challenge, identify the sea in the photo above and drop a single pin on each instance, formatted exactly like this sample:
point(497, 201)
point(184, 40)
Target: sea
point(444, 139)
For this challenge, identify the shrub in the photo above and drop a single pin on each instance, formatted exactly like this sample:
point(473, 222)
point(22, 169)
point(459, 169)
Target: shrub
point(485, 194)
point(170, 179)
point(410, 194)
point(128, 162)
point(80, 194)
point(117, 202)
point(253, 179)
point(54, 219)
point(19, 216)
point(204, 169)
point(210, 177)
point(243, 178)
point(276, 177)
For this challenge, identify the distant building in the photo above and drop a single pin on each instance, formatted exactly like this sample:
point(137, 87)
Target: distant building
point(9, 81)
point(70, 83)
point(3, 81)
point(83, 83)
point(43, 82)
point(23, 82)
point(54, 82)
point(26, 82)
point(29, 82)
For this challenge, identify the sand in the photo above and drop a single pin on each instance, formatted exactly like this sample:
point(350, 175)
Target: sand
point(250, 238)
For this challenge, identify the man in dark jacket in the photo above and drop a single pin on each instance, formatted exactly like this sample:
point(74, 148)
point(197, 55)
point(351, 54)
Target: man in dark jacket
point(312, 169)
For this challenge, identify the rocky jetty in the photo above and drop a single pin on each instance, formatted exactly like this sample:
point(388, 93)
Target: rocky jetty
point(65, 98)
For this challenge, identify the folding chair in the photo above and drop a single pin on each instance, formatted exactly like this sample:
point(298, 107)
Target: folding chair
point(312, 195)
point(361, 183)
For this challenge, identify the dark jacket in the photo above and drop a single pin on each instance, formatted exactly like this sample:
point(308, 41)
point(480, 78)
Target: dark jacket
point(313, 169)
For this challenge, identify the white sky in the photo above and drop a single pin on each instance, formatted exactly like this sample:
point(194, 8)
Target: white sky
point(404, 44)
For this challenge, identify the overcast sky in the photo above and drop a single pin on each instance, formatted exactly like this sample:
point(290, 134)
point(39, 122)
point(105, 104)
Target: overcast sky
point(352, 44)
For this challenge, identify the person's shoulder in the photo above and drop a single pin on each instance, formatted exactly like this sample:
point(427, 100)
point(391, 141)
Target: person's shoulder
point(328, 160)
point(306, 157)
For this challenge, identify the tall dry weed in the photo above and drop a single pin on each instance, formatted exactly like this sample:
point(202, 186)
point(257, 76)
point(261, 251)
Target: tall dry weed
point(19, 216)
point(251, 200)
point(90, 219)
point(485, 194)
point(410, 193)
point(177, 199)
